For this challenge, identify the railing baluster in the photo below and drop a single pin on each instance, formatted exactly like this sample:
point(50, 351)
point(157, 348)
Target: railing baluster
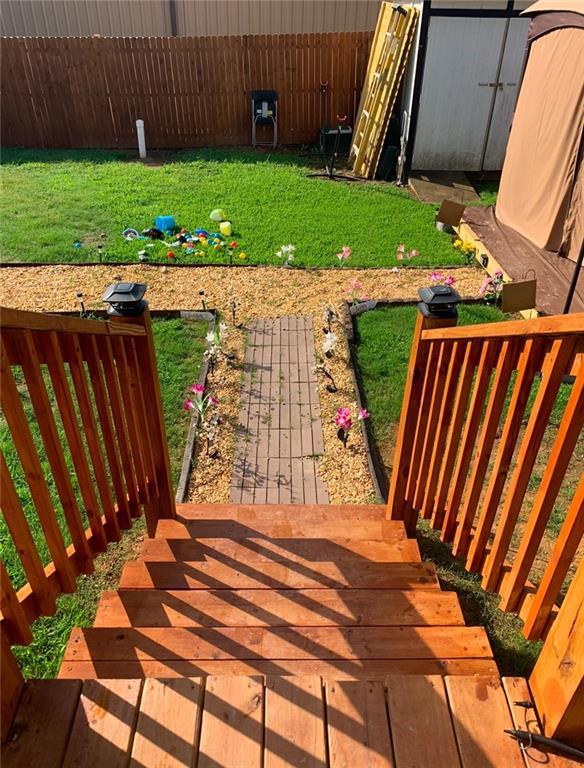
point(116, 402)
point(489, 429)
point(14, 621)
point(422, 425)
point(143, 407)
point(24, 443)
point(562, 555)
point(442, 428)
point(561, 453)
point(529, 364)
point(553, 371)
point(17, 524)
point(48, 429)
point(91, 435)
point(439, 520)
point(439, 379)
point(66, 407)
point(471, 427)
point(101, 402)
point(129, 398)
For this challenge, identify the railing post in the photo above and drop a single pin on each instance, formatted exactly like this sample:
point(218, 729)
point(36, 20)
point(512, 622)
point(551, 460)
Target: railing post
point(436, 310)
point(557, 681)
point(134, 309)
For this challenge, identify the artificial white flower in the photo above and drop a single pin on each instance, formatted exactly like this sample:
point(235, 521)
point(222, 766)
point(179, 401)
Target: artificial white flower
point(329, 343)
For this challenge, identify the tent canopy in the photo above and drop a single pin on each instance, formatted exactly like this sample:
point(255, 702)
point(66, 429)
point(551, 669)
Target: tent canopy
point(543, 6)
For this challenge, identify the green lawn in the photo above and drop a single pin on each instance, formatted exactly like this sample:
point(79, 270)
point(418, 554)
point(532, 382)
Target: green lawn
point(53, 198)
point(179, 348)
point(383, 347)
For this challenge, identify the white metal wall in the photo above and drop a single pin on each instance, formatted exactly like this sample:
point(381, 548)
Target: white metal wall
point(193, 17)
point(200, 17)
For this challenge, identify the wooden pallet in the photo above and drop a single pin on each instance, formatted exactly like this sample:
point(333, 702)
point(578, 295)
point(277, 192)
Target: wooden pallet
point(275, 722)
point(387, 62)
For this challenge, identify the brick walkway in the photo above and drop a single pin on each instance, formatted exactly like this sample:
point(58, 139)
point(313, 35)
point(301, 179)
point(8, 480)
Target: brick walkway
point(279, 432)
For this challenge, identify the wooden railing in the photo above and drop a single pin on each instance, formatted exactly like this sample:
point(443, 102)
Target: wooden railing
point(477, 405)
point(81, 401)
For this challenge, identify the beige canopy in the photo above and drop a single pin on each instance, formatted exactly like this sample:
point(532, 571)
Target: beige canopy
point(541, 194)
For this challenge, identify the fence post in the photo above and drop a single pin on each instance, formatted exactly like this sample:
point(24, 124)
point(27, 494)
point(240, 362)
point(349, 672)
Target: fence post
point(128, 306)
point(441, 314)
point(557, 680)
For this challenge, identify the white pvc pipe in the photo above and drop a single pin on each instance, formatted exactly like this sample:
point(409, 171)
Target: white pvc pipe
point(141, 138)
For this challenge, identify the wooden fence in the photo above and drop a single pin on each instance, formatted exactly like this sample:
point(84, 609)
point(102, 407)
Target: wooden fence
point(469, 389)
point(82, 403)
point(191, 92)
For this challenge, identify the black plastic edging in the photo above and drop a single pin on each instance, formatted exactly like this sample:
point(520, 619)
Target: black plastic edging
point(299, 268)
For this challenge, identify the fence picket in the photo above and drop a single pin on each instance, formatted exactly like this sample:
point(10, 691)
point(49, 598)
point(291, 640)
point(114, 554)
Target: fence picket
point(14, 622)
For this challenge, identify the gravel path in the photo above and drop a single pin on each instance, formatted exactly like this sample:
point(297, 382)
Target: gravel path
point(262, 292)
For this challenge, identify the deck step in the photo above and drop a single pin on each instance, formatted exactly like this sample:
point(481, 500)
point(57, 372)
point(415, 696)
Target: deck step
point(201, 528)
point(292, 552)
point(214, 574)
point(278, 608)
point(250, 513)
point(365, 669)
point(251, 643)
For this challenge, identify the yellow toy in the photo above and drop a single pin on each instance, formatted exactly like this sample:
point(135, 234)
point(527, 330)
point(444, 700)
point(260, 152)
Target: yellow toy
point(225, 228)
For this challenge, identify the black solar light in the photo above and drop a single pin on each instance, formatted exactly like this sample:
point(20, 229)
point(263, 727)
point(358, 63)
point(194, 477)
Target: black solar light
point(100, 252)
point(438, 301)
point(125, 299)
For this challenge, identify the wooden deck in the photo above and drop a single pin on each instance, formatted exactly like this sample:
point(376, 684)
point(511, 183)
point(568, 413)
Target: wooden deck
point(404, 721)
point(338, 592)
point(305, 636)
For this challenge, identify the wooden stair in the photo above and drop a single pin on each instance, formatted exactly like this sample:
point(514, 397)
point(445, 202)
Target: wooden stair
point(333, 591)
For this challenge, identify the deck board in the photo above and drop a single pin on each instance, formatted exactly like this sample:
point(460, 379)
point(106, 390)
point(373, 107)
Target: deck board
point(255, 643)
point(339, 669)
point(480, 717)
point(357, 725)
point(289, 528)
point(291, 552)
point(213, 574)
point(41, 728)
point(277, 608)
point(232, 727)
point(104, 724)
point(295, 729)
point(421, 729)
point(248, 513)
point(167, 731)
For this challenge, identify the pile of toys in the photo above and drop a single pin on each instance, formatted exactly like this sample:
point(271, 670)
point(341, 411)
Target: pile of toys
point(198, 243)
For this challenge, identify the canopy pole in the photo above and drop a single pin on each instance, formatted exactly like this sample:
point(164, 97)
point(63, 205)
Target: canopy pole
point(574, 281)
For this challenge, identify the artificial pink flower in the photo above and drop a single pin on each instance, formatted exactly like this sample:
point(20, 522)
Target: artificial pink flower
point(436, 277)
point(213, 401)
point(188, 405)
point(355, 285)
point(363, 414)
point(413, 253)
point(343, 419)
point(485, 285)
point(344, 254)
point(400, 250)
point(450, 280)
point(197, 389)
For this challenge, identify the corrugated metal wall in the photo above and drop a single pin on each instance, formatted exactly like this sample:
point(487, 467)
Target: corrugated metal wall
point(111, 18)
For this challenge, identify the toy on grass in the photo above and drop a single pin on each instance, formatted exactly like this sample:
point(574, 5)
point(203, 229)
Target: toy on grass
point(130, 234)
point(166, 224)
point(225, 228)
point(171, 255)
point(142, 255)
point(154, 233)
point(218, 214)
point(243, 256)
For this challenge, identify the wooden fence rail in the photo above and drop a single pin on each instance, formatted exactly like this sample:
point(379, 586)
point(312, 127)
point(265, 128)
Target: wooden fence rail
point(477, 405)
point(191, 92)
point(82, 405)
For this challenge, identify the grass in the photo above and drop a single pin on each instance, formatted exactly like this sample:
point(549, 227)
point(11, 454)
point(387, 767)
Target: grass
point(54, 198)
point(383, 347)
point(179, 348)
point(487, 191)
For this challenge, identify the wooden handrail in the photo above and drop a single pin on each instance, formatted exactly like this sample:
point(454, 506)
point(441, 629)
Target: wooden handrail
point(35, 321)
point(461, 394)
point(100, 377)
point(469, 434)
point(558, 325)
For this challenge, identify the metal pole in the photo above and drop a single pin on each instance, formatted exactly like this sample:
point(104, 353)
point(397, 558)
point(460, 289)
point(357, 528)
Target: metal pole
point(574, 281)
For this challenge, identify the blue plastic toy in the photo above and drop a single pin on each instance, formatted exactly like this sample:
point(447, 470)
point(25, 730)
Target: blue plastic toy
point(165, 223)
